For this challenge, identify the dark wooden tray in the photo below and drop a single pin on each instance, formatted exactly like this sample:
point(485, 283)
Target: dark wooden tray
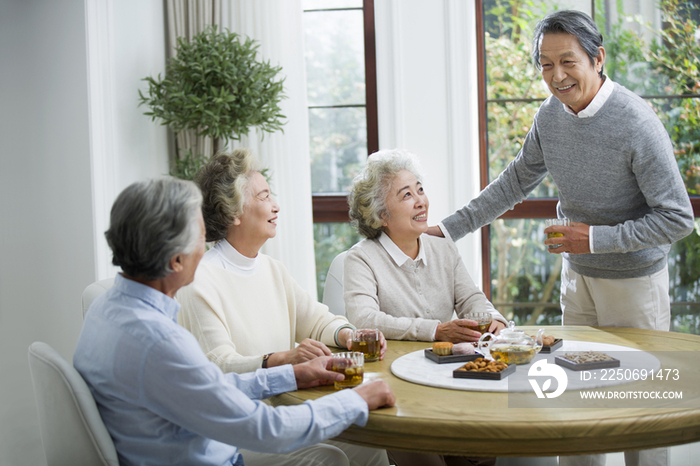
point(586, 366)
point(553, 347)
point(451, 357)
point(484, 375)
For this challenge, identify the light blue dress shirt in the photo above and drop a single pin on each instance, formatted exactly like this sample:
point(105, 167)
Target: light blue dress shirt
point(165, 403)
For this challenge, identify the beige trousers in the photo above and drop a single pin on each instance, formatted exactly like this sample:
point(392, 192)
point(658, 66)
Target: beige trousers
point(641, 302)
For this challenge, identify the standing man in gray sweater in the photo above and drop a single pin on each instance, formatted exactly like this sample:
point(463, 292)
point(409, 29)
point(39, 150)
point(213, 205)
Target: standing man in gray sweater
point(618, 182)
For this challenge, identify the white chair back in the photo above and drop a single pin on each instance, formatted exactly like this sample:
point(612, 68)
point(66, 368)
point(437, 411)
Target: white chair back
point(333, 291)
point(94, 290)
point(72, 431)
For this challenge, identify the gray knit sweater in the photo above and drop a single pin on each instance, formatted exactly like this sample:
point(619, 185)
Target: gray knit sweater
point(615, 171)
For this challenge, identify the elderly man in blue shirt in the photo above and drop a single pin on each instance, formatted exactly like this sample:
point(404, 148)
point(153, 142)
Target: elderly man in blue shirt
point(162, 400)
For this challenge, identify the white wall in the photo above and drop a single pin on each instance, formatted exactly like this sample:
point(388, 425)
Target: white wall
point(426, 73)
point(46, 208)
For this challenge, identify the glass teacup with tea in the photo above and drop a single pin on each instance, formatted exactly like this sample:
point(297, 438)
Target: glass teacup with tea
point(368, 342)
point(483, 321)
point(351, 365)
point(556, 221)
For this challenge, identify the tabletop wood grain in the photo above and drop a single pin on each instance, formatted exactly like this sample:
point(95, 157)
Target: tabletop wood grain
point(435, 420)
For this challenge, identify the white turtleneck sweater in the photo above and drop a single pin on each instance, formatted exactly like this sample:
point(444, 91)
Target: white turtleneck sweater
point(240, 309)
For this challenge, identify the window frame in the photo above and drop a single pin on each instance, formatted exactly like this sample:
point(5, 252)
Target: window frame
point(529, 208)
point(333, 207)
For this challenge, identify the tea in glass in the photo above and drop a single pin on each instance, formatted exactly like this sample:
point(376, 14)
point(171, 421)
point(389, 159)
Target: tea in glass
point(483, 321)
point(351, 365)
point(556, 221)
point(368, 342)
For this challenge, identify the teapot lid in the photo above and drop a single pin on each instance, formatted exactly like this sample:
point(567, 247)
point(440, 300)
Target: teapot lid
point(512, 335)
point(511, 331)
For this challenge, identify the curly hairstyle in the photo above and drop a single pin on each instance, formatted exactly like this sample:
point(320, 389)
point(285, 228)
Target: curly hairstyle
point(224, 183)
point(370, 188)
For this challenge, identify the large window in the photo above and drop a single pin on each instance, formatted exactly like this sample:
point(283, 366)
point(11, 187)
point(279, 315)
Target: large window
point(341, 80)
point(653, 48)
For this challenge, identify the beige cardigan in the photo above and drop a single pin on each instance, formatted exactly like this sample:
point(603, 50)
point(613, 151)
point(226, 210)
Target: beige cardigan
point(408, 302)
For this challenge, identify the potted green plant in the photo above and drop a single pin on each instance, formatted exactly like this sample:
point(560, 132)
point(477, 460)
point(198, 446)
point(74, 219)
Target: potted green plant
point(215, 87)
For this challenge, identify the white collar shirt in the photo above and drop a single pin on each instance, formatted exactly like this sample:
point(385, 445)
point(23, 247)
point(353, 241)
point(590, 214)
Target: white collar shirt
point(598, 101)
point(397, 255)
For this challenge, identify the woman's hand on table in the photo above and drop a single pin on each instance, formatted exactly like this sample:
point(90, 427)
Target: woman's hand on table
point(307, 350)
point(457, 331)
point(345, 337)
point(496, 327)
point(376, 393)
point(348, 341)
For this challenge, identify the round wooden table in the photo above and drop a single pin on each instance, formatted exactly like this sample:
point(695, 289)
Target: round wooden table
point(434, 420)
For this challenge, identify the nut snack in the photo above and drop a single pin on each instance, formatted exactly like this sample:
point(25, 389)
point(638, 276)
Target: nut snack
point(587, 356)
point(547, 340)
point(586, 360)
point(484, 369)
point(550, 343)
point(483, 365)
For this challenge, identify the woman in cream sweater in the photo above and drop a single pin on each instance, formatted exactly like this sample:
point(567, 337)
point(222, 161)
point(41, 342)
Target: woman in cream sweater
point(244, 307)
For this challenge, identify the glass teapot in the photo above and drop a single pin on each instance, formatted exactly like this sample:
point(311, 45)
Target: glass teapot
point(511, 345)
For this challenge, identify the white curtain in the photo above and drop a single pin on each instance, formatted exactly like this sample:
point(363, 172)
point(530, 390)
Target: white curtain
point(277, 26)
point(187, 18)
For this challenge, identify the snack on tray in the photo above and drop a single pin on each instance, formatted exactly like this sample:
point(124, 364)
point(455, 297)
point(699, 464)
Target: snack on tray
point(442, 348)
point(483, 365)
point(587, 356)
point(463, 348)
point(547, 340)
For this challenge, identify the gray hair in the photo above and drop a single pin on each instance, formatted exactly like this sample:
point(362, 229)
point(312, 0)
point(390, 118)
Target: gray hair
point(152, 221)
point(370, 188)
point(572, 22)
point(224, 182)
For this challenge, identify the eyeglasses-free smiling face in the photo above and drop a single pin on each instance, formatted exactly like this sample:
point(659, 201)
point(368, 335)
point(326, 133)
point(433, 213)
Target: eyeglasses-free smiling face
point(258, 223)
point(407, 205)
point(568, 72)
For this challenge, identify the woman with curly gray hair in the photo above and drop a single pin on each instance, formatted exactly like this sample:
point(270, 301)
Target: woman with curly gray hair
point(244, 307)
point(399, 280)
